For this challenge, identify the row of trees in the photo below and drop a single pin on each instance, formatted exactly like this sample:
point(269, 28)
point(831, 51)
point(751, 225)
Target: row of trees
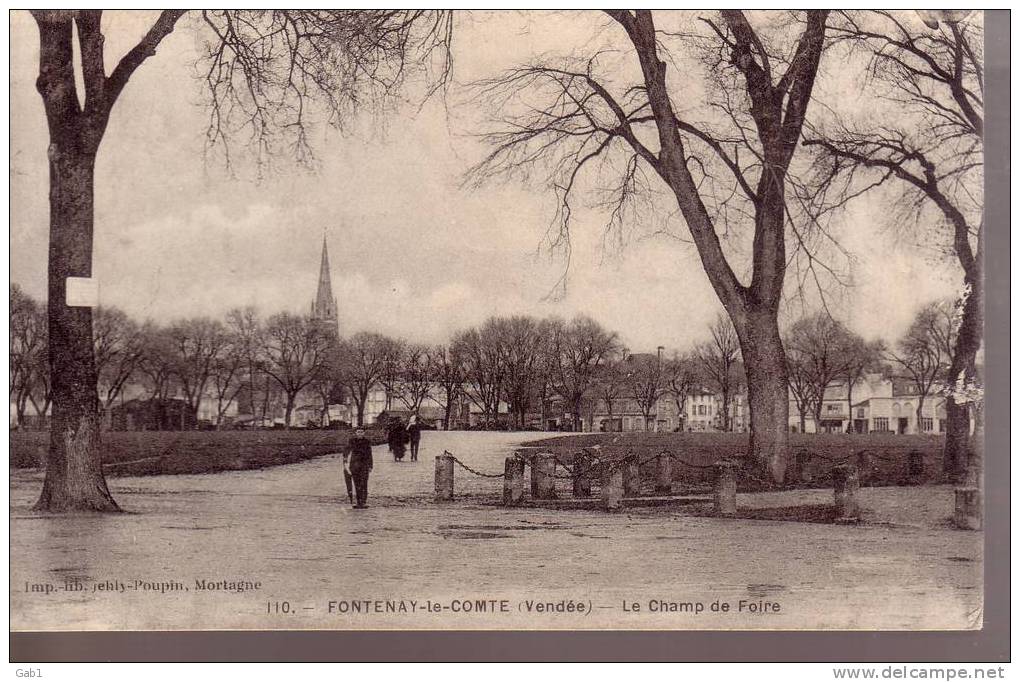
point(196, 359)
point(520, 362)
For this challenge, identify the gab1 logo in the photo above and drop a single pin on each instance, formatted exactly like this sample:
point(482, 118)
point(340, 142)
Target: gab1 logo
point(28, 672)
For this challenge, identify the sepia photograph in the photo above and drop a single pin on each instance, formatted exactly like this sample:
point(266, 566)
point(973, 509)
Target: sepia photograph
point(421, 320)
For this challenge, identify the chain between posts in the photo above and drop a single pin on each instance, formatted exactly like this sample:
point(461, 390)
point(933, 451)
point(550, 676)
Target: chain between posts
point(469, 469)
point(847, 458)
point(601, 465)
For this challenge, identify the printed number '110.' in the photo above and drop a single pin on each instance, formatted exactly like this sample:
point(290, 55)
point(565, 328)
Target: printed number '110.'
point(277, 607)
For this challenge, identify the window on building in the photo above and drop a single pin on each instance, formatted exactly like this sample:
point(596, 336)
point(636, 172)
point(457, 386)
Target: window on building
point(880, 424)
point(942, 425)
point(701, 410)
point(860, 412)
point(832, 408)
point(926, 424)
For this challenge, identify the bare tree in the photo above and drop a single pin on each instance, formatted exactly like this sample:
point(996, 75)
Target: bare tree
point(390, 377)
point(591, 121)
point(448, 372)
point(922, 352)
point(929, 144)
point(718, 359)
point(156, 364)
point(196, 344)
point(483, 369)
point(417, 377)
point(262, 68)
point(363, 360)
point(246, 330)
point(802, 384)
point(544, 381)
point(328, 382)
point(118, 351)
point(227, 376)
point(862, 357)
point(522, 341)
point(294, 349)
point(579, 348)
point(28, 349)
point(820, 349)
point(645, 381)
point(610, 383)
point(681, 378)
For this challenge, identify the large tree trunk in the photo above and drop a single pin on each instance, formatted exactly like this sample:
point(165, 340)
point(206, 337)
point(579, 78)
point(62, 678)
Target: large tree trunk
point(765, 364)
point(958, 448)
point(726, 411)
point(20, 405)
point(360, 404)
point(288, 410)
point(74, 473)
point(447, 411)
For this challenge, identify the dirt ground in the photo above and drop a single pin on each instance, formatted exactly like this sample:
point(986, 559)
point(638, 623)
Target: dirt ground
point(281, 548)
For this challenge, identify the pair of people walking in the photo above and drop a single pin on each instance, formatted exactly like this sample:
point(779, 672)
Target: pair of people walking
point(398, 437)
point(357, 460)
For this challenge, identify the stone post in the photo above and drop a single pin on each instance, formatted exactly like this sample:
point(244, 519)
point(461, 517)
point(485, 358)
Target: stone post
point(664, 475)
point(969, 514)
point(845, 486)
point(726, 488)
point(631, 476)
point(864, 468)
point(612, 487)
point(444, 477)
point(915, 465)
point(800, 466)
point(513, 481)
point(582, 475)
point(543, 472)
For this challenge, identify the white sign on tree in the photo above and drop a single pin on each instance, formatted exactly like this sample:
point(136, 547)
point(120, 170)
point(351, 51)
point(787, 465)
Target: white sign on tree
point(82, 292)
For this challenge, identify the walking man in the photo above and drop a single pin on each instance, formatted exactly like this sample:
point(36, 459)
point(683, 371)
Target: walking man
point(358, 462)
point(414, 434)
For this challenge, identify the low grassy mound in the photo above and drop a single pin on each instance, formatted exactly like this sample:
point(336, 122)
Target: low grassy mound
point(153, 453)
point(886, 460)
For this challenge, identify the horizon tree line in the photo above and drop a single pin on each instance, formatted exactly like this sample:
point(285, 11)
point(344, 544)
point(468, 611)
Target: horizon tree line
point(518, 362)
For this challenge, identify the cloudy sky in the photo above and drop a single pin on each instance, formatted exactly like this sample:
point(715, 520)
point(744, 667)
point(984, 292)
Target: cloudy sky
point(414, 252)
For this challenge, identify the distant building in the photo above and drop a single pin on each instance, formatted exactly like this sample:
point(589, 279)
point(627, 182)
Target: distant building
point(877, 404)
point(31, 419)
point(152, 414)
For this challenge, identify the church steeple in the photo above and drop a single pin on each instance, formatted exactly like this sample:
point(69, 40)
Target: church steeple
point(324, 305)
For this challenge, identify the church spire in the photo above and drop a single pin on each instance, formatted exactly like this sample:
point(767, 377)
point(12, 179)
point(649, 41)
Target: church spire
point(324, 305)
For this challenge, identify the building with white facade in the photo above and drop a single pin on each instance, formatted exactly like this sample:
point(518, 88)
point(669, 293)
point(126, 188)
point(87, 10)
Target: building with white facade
point(877, 404)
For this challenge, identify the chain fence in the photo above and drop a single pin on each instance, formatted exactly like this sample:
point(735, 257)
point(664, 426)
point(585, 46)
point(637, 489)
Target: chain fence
point(473, 471)
point(593, 465)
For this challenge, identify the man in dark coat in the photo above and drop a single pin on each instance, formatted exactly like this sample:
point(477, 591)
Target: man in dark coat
point(414, 436)
point(358, 461)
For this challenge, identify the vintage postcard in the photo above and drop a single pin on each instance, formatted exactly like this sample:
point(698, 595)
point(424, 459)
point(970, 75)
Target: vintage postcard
point(496, 320)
